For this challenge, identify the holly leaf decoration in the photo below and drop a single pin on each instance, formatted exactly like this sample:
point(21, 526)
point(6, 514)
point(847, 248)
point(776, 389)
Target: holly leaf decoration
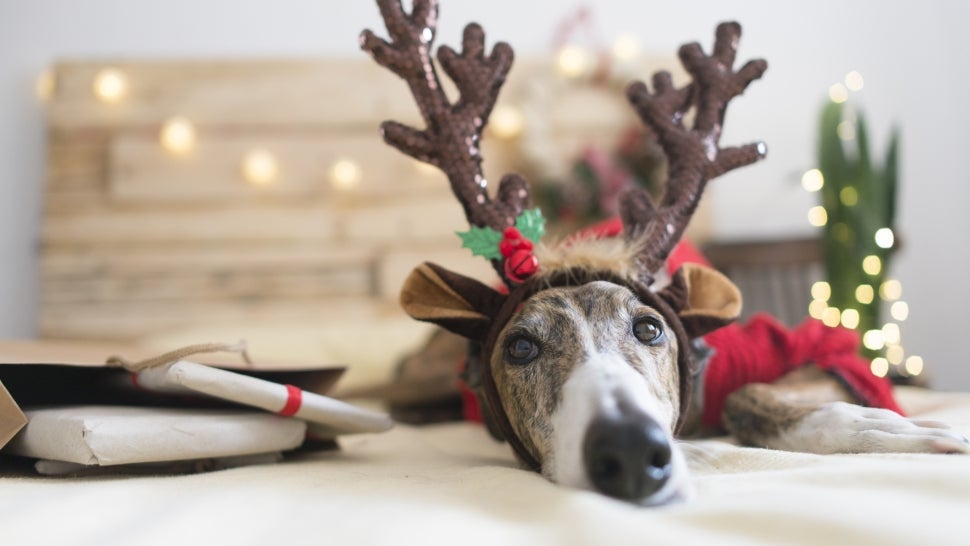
point(482, 241)
point(531, 224)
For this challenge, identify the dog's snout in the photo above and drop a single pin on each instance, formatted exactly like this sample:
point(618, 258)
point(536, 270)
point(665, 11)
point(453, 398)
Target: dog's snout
point(627, 457)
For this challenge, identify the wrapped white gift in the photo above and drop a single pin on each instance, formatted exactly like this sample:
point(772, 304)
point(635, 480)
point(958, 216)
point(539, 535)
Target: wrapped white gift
point(81, 408)
point(113, 435)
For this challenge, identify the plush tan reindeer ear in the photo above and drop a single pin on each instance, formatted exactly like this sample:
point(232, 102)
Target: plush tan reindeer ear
point(457, 303)
point(704, 298)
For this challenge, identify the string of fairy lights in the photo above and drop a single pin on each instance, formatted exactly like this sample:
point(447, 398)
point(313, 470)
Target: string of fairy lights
point(179, 136)
point(886, 341)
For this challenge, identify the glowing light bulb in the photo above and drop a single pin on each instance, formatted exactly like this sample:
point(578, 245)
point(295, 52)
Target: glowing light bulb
point(872, 265)
point(874, 340)
point(813, 180)
point(838, 93)
point(817, 216)
point(849, 196)
point(816, 309)
point(854, 81)
point(914, 365)
point(626, 47)
point(850, 319)
point(879, 367)
point(890, 332)
point(899, 310)
point(572, 61)
point(45, 85)
point(260, 167)
point(831, 317)
point(507, 122)
point(885, 238)
point(344, 174)
point(846, 130)
point(821, 290)
point(177, 135)
point(110, 85)
point(895, 354)
point(864, 294)
point(891, 290)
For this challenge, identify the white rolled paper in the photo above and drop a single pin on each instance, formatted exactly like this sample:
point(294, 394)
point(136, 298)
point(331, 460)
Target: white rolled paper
point(189, 377)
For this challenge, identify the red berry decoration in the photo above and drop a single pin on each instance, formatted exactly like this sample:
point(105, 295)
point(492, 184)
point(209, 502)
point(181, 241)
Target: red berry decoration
point(506, 247)
point(521, 265)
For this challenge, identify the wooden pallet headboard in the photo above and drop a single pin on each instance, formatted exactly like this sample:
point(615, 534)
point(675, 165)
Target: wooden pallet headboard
point(140, 243)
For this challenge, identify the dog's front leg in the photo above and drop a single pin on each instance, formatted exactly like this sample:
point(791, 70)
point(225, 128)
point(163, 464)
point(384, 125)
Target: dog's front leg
point(810, 411)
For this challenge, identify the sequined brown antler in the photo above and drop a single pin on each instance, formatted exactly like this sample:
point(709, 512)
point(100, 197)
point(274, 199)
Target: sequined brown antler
point(452, 134)
point(693, 154)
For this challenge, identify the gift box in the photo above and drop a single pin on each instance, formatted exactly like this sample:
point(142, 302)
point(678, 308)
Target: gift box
point(76, 403)
point(116, 435)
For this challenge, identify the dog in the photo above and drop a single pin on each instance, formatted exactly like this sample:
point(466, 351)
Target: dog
point(591, 381)
point(588, 364)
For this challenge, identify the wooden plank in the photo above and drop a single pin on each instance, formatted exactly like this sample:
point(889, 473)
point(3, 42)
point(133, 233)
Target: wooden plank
point(141, 170)
point(395, 265)
point(231, 285)
point(405, 223)
point(311, 92)
point(75, 168)
point(284, 223)
point(80, 261)
point(138, 320)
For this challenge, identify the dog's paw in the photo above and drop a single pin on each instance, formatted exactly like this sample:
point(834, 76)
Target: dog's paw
point(839, 427)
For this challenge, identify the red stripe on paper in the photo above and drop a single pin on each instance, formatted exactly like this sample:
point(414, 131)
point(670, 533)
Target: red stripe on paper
point(294, 399)
point(135, 383)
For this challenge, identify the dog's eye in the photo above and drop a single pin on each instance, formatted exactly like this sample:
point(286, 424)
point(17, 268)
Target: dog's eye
point(521, 350)
point(648, 330)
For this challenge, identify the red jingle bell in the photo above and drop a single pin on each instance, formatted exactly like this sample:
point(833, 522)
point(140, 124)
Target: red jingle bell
point(521, 265)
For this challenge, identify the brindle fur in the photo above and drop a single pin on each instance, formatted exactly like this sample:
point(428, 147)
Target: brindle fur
point(571, 323)
point(758, 413)
point(568, 324)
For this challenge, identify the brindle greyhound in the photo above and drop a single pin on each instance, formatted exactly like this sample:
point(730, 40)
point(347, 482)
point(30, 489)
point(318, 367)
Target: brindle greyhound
point(586, 364)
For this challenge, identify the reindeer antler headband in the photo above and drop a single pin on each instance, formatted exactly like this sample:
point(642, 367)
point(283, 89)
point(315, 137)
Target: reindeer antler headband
point(451, 141)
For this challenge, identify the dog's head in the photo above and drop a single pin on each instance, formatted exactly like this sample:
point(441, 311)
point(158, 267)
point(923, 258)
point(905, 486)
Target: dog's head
point(587, 379)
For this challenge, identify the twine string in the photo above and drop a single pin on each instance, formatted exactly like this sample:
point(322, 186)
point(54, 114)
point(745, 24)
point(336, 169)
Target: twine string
point(178, 354)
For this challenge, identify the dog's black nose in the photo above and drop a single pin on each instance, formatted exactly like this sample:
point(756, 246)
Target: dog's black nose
point(627, 457)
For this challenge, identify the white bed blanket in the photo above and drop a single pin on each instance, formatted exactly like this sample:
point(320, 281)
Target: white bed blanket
point(453, 485)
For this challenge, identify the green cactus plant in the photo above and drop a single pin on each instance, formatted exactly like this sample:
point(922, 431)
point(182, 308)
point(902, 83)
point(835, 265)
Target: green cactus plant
point(859, 198)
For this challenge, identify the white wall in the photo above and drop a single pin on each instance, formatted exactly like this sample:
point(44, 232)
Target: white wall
point(912, 54)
